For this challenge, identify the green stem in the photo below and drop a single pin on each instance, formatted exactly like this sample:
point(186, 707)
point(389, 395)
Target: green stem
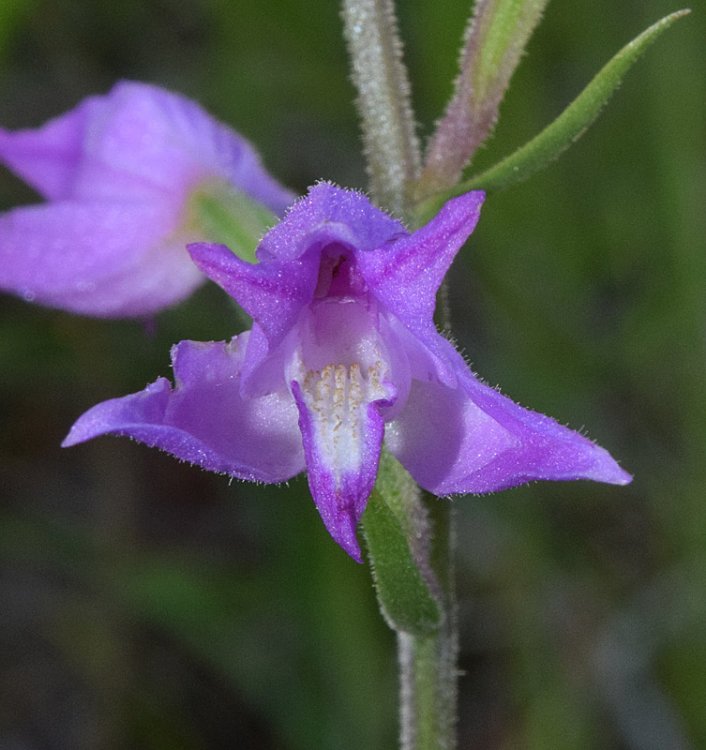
point(387, 121)
point(427, 691)
point(428, 671)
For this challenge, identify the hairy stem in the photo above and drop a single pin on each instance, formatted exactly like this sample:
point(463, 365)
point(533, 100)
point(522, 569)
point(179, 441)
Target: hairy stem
point(427, 695)
point(428, 672)
point(379, 74)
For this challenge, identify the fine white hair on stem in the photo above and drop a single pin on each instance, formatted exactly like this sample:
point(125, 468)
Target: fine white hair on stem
point(387, 121)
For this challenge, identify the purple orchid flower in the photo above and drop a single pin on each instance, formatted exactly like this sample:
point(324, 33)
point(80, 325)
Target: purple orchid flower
point(344, 353)
point(118, 172)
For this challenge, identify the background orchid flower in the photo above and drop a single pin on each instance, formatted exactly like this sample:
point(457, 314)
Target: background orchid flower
point(343, 353)
point(120, 173)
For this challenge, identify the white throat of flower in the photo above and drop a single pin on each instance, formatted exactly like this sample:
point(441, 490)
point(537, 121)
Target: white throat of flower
point(337, 399)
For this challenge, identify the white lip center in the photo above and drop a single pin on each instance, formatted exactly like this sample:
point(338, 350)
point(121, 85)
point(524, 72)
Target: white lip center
point(337, 398)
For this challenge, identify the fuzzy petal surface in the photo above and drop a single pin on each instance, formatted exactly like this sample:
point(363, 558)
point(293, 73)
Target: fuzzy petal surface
point(472, 439)
point(406, 274)
point(329, 215)
point(272, 293)
point(343, 355)
point(203, 419)
point(342, 432)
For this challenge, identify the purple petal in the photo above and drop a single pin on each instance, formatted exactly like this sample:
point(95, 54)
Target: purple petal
point(473, 440)
point(137, 141)
point(168, 141)
point(271, 293)
point(274, 291)
point(341, 380)
point(203, 419)
point(104, 259)
point(406, 274)
point(342, 433)
point(409, 271)
point(49, 157)
point(329, 215)
point(120, 169)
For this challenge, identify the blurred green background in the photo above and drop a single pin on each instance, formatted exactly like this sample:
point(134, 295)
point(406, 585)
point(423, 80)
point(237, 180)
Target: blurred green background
point(147, 604)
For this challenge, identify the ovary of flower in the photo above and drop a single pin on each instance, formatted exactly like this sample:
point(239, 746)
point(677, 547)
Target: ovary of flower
point(343, 355)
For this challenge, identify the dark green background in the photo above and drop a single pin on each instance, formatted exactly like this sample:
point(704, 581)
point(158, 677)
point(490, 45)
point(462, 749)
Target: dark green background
point(147, 604)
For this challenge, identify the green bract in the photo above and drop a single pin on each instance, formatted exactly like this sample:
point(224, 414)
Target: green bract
point(571, 124)
point(391, 524)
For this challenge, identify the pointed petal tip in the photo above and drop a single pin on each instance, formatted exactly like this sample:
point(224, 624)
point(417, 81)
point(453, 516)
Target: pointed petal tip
point(598, 464)
point(70, 440)
point(216, 261)
point(491, 443)
point(342, 433)
point(199, 250)
point(623, 479)
point(89, 425)
point(608, 471)
point(343, 532)
point(468, 204)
